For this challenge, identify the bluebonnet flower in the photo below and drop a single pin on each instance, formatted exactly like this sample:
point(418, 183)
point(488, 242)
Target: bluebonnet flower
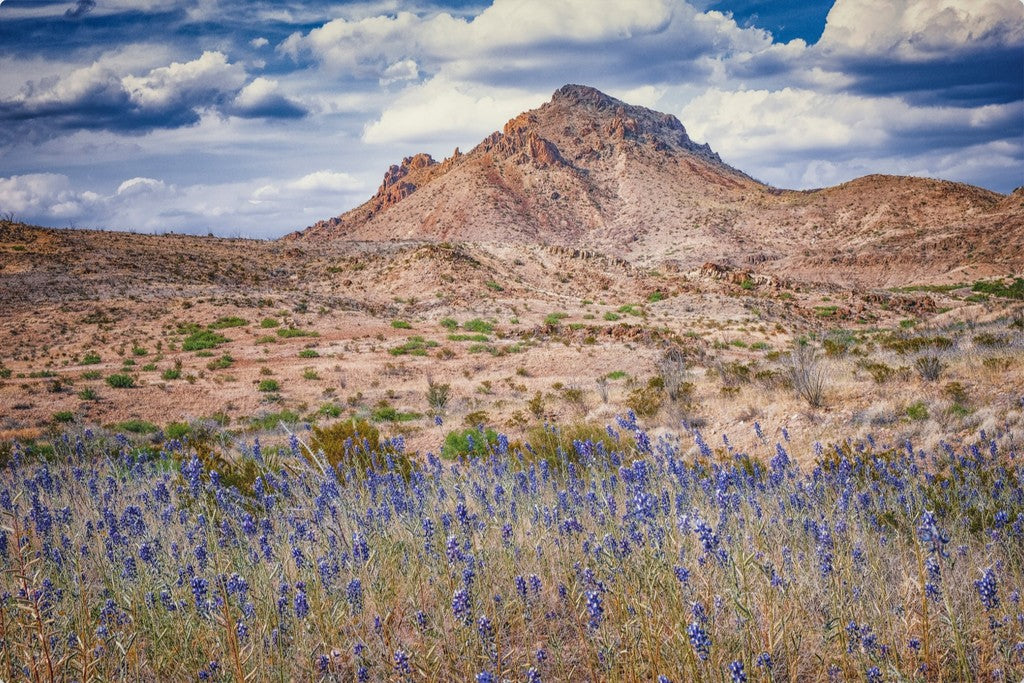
point(461, 605)
point(988, 588)
point(764, 660)
point(301, 603)
point(595, 608)
point(532, 675)
point(699, 639)
point(354, 595)
point(874, 675)
point(485, 628)
point(737, 673)
point(402, 662)
point(485, 677)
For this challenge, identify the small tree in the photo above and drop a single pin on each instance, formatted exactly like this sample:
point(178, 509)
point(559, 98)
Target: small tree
point(808, 374)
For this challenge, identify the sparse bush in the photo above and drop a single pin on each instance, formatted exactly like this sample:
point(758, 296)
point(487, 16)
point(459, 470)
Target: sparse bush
point(929, 367)
point(917, 411)
point(449, 323)
point(808, 375)
point(309, 353)
point(269, 323)
point(203, 339)
point(121, 381)
point(64, 416)
point(401, 325)
point(470, 442)
point(437, 396)
point(91, 358)
point(88, 394)
point(645, 401)
point(222, 363)
point(672, 367)
point(478, 325)
point(269, 385)
point(228, 321)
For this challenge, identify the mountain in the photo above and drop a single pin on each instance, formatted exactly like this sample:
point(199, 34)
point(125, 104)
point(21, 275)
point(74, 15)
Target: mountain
point(586, 170)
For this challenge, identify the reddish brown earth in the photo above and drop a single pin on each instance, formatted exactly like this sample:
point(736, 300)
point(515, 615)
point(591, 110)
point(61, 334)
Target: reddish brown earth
point(590, 236)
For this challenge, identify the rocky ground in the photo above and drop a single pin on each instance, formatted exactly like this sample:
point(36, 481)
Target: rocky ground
point(257, 335)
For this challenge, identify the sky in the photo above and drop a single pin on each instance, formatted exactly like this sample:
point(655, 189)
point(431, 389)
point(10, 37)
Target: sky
point(252, 118)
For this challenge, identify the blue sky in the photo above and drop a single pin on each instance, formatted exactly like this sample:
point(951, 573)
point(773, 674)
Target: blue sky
point(257, 118)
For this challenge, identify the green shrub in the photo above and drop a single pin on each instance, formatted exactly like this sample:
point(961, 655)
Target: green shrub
point(1014, 290)
point(140, 351)
point(203, 339)
point(171, 373)
point(291, 333)
point(225, 361)
point(645, 401)
point(309, 353)
point(177, 430)
point(917, 411)
point(469, 442)
point(546, 441)
point(5, 372)
point(656, 296)
point(387, 413)
point(469, 337)
point(415, 346)
point(271, 421)
point(64, 416)
point(494, 286)
point(228, 321)
point(121, 381)
point(269, 385)
point(612, 317)
point(401, 325)
point(92, 374)
point(449, 323)
point(344, 446)
point(269, 323)
point(553, 319)
point(478, 325)
point(137, 427)
point(616, 374)
point(91, 358)
point(88, 394)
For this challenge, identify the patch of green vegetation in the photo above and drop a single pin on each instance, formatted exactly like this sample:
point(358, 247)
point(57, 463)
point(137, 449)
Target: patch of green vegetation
point(64, 416)
point(329, 410)
point(631, 309)
point(121, 381)
point(309, 353)
point(91, 358)
point(478, 325)
point(140, 351)
point(401, 325)
point(177, 430)
point(747, 284)
point(612, 317)
point(1014, 290)
point(137, 427)
point(494, 286)
point(449, 323)
point(760, 346)
point(468, 337)
point(656, 296)
point(617, 374)
point(271, 421)
point(469, 442)
point(149, 367)
point(936, 289)
point(269, 385)
point(826, 311)
point(222, 363)
point(269, 323)
point(201, 340)
point(310, 374)
point(228, 321)
point(292, 332)
point(414, 346)
point(267, 339)
point(553, 319)
point(171, 373)
point(387, 413)
point(88, 394)
point(917, 411)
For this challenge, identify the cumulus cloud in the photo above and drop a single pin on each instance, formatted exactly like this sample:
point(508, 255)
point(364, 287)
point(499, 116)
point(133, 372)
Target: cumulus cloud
point(773, 130)
point(103, 96)
point(152, 205)
point(528, 41)
point(438, 110)
point(921, 30)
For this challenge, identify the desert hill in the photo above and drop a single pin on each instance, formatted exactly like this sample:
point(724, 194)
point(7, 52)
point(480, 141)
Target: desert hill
point(586, 170)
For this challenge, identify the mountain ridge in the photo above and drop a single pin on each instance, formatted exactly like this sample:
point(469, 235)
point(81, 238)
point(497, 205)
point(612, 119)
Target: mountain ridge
point(588, 170)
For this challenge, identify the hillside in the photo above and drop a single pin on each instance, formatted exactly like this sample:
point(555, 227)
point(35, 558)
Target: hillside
point(586, 170)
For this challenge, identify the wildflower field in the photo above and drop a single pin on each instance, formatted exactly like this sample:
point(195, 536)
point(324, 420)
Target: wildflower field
point(625, 558)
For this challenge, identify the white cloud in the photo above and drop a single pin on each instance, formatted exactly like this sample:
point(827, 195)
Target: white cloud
point(201, 79)
point(921, 29)
point(405, 70)
point(259, 42)
point(439, 108)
